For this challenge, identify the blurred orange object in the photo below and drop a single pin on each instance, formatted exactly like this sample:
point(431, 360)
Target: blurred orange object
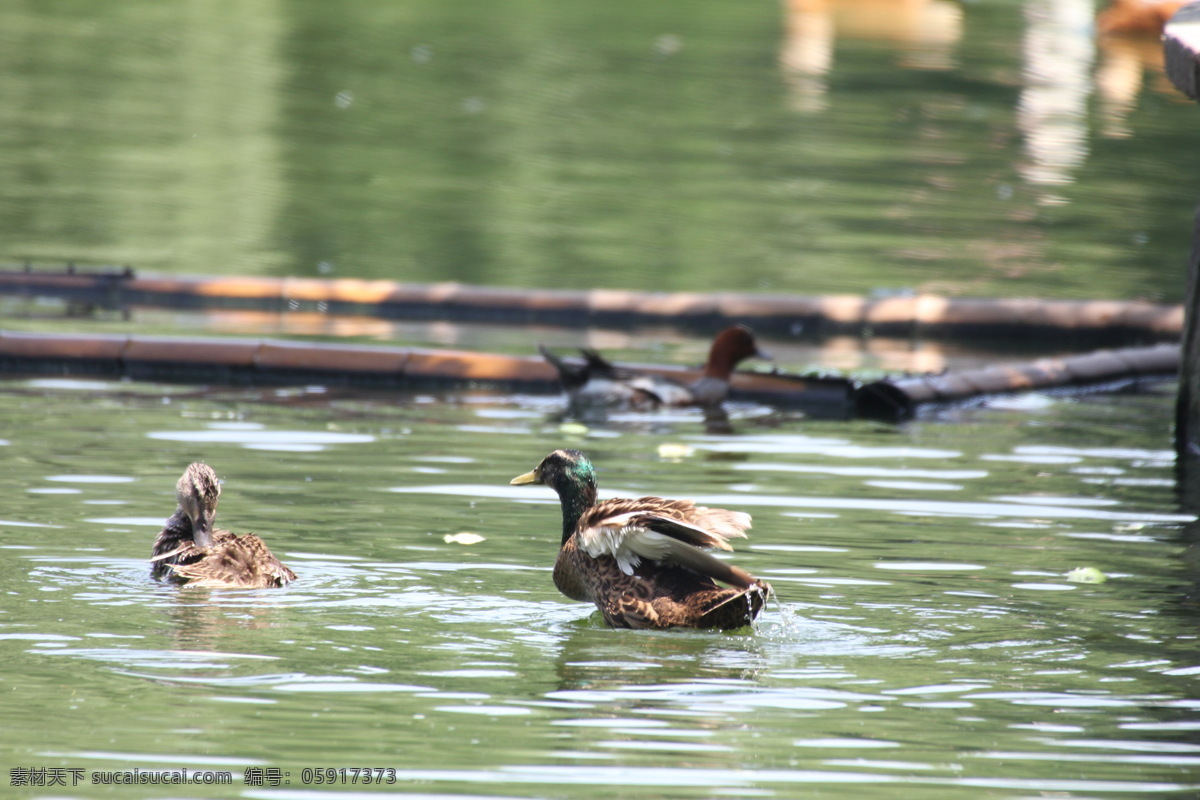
point(1137, 16)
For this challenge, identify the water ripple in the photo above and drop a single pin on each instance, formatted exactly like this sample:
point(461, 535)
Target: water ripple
point(1023, 509)
point(742, 778)
point(287, 441)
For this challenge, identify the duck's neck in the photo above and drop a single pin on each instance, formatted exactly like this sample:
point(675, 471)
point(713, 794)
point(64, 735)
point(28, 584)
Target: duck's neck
point(575, 498)
point(721, 363)
point(176, 531)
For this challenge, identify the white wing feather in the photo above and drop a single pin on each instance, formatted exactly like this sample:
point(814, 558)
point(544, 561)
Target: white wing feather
point(629, 543)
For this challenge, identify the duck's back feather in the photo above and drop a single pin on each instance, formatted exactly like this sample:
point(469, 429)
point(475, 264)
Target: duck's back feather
point(657, 594)
point(231, 562)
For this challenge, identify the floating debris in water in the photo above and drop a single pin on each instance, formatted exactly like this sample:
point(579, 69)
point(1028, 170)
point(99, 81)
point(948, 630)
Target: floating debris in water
point(674, 451)
point(462, 538)
point(1086, 575)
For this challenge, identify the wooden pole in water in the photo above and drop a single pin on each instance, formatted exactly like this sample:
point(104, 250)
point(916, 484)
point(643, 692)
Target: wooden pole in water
point(1187, 403)
point(899, 398)
point(1181, 52)
point(1094, 322)
point(250, 362)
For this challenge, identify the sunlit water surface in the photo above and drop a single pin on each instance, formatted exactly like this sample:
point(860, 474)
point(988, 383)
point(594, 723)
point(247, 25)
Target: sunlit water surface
point(992, 147)
point(926, 639)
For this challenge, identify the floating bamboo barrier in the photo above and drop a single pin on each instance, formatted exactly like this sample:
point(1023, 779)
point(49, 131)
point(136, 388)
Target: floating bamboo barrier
point(1095, 323)
point(266, 361)
point(242, 361)
point(900, 398)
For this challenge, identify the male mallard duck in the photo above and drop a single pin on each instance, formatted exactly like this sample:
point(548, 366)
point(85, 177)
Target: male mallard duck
point(598, 382)
point(640, 560)
point(191, 551)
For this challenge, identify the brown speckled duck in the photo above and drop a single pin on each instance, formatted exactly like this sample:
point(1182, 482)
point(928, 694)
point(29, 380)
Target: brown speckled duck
point(191, 551)
point(598, 382)
point(640, 561)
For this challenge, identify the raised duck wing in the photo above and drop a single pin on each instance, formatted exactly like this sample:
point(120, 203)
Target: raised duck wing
point(601, 367)
point(671, 532)
point(716, 523)
point(572, 376)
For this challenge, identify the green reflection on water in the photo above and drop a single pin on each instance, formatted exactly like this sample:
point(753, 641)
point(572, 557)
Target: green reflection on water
point(595, 144)
point(933, 649)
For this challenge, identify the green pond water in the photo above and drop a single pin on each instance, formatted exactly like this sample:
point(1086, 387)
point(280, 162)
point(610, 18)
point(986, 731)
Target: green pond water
point(989, 148)
point(925, 640)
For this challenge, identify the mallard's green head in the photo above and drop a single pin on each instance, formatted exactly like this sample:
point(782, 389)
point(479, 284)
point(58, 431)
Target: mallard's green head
point(197, 492)
point(572, 476)
point(562, 468)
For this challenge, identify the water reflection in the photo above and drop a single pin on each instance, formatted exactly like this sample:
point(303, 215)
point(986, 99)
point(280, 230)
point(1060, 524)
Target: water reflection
point(927, 33)
point(197, 621)
point(1125, 65)
point(526, 149)
point(1058, 48)
point(717, 420)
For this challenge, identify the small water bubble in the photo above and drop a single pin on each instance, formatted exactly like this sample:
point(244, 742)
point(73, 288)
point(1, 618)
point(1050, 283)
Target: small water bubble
point(343, 99)
point(1004, 191)
point(474, 105)
point(1140, 238)
point(421, 54)
point(324, 267)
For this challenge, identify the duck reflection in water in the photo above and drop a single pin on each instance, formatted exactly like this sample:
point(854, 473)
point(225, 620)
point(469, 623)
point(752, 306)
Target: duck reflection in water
point(189, 550)
point(641, 561)
point(200, 622)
